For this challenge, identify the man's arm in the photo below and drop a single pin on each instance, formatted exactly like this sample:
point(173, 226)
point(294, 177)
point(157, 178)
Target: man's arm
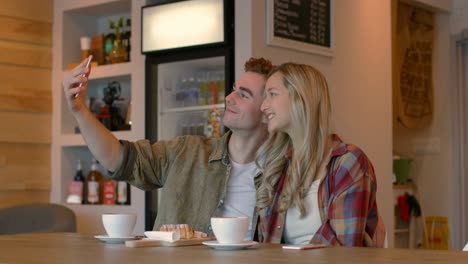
point(101, 142)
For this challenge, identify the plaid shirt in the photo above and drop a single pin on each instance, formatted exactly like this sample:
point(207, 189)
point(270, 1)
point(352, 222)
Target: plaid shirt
point(347, 201)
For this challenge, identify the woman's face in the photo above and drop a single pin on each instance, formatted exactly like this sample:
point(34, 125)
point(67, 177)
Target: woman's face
point(276, 104)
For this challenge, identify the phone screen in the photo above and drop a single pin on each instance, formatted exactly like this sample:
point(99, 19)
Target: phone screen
point(88, 62)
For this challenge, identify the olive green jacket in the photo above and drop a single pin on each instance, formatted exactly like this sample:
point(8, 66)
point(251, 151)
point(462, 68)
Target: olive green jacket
point(192, 171)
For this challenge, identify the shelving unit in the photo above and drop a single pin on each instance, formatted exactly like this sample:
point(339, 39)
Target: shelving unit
point(405, 187)
point(403, 235)
point(73, 19)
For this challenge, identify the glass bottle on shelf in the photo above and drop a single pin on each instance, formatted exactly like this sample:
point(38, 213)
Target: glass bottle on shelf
point(76, 194)
point(95, 185)
point(181, 92)
point(184, 127)
point(126, 37)
point(213, 87)
point(191, 92)
point(200, 126)
point(79, 177)
point(193, 126)
point(203, 91)
point(109, 191)
point(123, 193)
point(108, 47)
point(118, 53)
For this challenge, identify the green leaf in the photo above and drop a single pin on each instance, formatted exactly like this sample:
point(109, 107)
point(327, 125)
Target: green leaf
point(117, 27)
point(111, 24)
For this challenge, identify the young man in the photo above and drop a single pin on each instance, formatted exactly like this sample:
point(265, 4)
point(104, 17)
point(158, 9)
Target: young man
point(201, 177)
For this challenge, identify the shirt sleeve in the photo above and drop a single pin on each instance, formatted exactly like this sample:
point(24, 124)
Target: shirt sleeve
point(352, 212)
point(145, 165)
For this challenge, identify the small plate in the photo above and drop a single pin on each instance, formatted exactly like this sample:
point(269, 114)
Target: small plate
point(115, 240)
point(216, 245)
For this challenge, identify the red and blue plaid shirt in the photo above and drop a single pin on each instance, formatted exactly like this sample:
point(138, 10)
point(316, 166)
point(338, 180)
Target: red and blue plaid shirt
point(347, 201)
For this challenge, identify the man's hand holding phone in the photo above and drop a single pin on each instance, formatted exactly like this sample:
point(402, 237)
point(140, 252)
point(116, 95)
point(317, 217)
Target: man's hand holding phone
point(75, 84)
point(88, 63)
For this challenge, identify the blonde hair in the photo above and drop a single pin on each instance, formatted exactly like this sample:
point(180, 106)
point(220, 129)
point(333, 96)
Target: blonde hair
point(310, 113)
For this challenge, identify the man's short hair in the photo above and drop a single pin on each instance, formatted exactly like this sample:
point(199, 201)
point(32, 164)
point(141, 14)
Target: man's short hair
point(258, 65)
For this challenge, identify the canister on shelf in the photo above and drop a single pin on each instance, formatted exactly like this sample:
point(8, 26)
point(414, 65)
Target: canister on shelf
point(401, 169)
point(437, 232)
point(85, 43)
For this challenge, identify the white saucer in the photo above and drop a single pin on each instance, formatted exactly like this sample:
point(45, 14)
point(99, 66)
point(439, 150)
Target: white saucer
point(115, 240)
point(216, 245)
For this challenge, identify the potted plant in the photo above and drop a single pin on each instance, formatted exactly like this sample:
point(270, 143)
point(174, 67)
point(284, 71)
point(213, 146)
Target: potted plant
point(118, 52)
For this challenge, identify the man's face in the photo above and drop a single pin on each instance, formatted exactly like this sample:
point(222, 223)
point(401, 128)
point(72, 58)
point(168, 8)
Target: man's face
point(243, 103)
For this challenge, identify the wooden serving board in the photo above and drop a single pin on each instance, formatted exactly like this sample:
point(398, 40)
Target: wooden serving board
point(159, 243)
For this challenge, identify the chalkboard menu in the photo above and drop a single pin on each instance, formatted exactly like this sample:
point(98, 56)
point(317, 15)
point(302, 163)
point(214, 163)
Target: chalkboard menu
point(305, 21)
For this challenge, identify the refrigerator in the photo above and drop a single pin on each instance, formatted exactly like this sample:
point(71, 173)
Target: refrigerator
point(187, 80)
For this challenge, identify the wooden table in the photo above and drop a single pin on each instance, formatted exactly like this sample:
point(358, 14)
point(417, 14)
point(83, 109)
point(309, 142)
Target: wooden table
point(75, 248)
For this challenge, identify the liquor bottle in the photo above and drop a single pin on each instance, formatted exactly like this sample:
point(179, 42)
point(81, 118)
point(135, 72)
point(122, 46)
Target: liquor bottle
point(79, 172)
point(95, 185)
point(76, 194)
point(127, 36)
point(109, 191)
point(79, 177)
point(123, 193)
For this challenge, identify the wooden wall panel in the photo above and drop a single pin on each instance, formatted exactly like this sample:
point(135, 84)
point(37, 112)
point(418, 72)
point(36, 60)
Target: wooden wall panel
point(12, 198)
point(23, 30)
point(25, 54)
point(37, 10)
point(25, 89)
point(24, 167)
point(25, 81)
point(39, 103)
point(25, 101)
point(25, 128)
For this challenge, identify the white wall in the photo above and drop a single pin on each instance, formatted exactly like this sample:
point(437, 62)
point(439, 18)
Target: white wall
point(432, 171)
point(458, 23)
point(459, 16)
point(359, 78)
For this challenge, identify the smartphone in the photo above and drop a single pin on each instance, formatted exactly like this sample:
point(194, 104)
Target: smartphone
point(88, 62)
point(304, 247)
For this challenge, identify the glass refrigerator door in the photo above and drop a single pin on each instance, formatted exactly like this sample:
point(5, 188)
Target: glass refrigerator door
point(191, 97)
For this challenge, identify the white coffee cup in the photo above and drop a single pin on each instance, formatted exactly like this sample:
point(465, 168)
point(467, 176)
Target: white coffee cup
point(119, 225)
point(230, 230)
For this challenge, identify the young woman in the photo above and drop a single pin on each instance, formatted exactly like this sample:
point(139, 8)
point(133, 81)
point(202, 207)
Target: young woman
point(315, 188)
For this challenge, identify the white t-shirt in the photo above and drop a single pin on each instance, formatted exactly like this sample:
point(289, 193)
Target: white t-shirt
point(240, 194)
point(300, 230)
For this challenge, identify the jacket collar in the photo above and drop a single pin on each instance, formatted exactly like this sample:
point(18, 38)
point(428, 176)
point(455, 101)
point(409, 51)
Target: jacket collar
point(220, 151)
point(339, 147)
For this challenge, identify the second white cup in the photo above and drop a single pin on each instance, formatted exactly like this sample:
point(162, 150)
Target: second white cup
point(119, 225)
point(230, 230)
